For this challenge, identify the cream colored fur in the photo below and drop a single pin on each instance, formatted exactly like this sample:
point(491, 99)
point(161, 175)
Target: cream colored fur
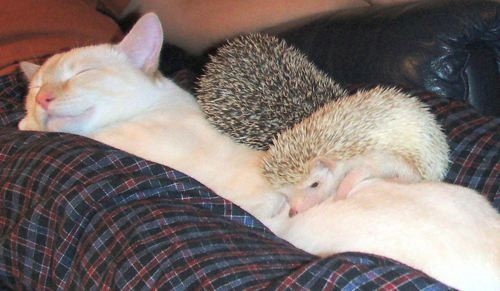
point(449, 232)
point(113, 93)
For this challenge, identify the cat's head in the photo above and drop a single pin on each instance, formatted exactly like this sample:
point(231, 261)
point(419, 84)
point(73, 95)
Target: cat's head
point(87, 88)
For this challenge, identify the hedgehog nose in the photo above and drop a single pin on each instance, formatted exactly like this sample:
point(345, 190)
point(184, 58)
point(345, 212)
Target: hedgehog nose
point(44, 99)
point(292, 212)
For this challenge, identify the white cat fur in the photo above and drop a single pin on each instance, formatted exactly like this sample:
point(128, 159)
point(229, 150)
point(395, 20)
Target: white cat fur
point(441, 229)
point(450, 232)
point(114, 94)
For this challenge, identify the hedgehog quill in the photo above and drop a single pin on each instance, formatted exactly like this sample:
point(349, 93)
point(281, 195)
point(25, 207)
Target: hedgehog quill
point(381, 132)
point(257, 86)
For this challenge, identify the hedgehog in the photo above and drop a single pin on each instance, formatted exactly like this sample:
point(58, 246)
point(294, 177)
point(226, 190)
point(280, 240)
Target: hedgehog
point(257, 85)
point(378, 132)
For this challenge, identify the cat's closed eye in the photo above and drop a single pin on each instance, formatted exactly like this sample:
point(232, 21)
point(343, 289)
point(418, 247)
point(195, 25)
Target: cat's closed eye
point(85, 71)
point(82, 73)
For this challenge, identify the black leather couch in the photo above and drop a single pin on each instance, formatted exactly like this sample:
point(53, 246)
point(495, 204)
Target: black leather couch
point(448, 47)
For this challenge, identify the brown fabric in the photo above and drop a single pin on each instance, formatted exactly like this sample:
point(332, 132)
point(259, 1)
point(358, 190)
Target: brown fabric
point(113, 7)
point(30, 29)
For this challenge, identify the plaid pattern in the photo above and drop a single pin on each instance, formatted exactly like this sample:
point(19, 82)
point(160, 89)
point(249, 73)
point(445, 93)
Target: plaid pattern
point(475, 146)
point(78, 215)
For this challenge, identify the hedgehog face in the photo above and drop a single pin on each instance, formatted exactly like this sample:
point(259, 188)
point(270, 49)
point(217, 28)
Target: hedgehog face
point(328, 177)
point(321, 182)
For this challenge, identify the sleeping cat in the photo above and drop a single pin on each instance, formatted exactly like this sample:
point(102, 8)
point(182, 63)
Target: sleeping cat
point(114, 94)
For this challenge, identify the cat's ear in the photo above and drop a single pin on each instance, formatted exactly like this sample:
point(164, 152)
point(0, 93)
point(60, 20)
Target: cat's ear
point(143, 43)
point(29, 69)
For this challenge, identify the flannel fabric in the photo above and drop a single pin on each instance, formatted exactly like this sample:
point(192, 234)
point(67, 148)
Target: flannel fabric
point(79, 215)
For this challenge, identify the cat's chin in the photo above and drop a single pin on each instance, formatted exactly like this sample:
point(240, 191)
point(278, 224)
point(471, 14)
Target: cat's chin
point(76, 124)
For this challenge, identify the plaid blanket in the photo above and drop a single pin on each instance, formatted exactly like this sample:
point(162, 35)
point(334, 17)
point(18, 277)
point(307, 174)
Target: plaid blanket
point(79, 215)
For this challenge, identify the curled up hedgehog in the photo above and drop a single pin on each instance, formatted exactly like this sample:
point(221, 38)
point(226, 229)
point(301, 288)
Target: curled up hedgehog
point(381, 132)
point(257, 85)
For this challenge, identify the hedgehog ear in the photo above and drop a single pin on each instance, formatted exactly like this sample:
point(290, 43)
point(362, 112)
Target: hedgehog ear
point(321, 163)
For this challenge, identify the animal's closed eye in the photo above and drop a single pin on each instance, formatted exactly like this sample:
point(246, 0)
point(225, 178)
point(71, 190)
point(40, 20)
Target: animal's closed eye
point(314, 185)
point(85, 71)
point(80, 74)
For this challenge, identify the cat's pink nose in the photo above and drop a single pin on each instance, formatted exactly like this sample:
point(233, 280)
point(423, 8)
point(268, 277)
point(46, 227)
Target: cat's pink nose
point(44, 99)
